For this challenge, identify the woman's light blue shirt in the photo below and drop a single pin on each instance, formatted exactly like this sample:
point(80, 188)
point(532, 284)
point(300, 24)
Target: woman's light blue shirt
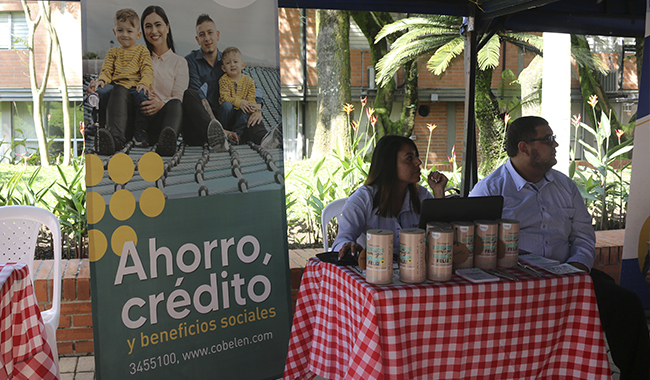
point(359, 215)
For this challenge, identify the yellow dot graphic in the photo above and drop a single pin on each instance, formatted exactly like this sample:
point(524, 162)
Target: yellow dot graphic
point(97, 245)
point(94, 170)
point(121, 168)
point(95, 207)
point(122, 204)
point(151, 166)
point(121, 235)
point(152, 202)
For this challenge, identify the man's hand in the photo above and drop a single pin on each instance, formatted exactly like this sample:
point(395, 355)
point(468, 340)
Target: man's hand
point(580, 266)
point(247, 106)
point(255, 118)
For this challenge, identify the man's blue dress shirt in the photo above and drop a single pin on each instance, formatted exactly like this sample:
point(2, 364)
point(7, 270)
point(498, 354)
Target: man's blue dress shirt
point(554, 221)
point(204, 78)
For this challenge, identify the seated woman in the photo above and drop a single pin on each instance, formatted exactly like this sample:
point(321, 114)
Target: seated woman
point(390, 198)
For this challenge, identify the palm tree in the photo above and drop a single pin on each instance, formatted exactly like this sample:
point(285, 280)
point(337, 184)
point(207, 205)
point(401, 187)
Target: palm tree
point(439, 37)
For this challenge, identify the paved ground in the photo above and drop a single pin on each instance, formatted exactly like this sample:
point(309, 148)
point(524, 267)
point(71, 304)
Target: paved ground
point(77, 367)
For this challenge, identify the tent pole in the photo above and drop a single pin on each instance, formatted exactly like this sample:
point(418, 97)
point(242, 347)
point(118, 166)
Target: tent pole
point(469, 153)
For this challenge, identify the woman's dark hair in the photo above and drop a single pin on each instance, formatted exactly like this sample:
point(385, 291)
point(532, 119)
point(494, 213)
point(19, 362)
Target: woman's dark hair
point(383, 174)
point(522, 129)
point(160, 12)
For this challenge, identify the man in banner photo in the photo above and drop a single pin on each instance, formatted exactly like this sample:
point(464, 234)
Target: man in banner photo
point(188, 251)
point(204, 115)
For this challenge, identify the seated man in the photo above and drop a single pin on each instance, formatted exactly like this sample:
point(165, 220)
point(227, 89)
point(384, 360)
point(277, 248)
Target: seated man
point(201, 99)
point(555, 223)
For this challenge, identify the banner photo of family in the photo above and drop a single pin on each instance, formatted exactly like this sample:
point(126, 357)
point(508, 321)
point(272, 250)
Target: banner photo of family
point(185, 189)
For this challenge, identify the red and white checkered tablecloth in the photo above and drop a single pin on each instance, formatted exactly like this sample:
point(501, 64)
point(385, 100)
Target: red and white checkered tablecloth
point(535, 328)
point(24, 351)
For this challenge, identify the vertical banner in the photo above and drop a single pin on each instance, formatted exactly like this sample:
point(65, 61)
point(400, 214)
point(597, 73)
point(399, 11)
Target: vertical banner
point(637, 227)
point(188, 249)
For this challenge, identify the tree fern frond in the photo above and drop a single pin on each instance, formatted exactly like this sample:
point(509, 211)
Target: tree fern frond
point(529, 39)
point(488, 56)
point(439, 62)
point(585, 58)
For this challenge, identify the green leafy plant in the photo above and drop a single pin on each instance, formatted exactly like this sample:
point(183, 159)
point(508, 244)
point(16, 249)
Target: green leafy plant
point(70, 208)
point(10, 153)
point(21, 191)
point(320, 189)
point(601, 195)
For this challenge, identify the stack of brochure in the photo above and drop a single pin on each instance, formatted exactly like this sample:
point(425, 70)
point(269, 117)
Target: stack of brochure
point(476, 275)
point(550, 265)
point(538, 261)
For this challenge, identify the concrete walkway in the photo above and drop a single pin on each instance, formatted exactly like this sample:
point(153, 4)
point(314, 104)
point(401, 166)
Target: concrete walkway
point(77, 367)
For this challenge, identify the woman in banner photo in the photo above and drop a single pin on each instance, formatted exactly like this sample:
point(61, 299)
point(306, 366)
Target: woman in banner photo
point(163, 108)
point(390, 198)
point(170, 79)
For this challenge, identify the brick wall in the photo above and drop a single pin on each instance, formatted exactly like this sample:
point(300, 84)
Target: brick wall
point(15, 71)
point(75, 333)
point(609, 252)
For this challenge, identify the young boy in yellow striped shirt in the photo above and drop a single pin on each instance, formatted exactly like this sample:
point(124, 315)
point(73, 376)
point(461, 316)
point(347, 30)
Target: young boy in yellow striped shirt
point(128, 65)
point(236, 93)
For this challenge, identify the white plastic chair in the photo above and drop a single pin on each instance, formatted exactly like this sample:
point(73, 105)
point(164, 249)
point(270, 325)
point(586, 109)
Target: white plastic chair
point(333, 209)
point(19, 227)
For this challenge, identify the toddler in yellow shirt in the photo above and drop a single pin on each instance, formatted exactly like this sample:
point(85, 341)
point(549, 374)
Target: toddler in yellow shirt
point(128, 65)
point(236, 93)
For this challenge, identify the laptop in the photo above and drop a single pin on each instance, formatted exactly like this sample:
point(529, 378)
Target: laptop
point(457, 209)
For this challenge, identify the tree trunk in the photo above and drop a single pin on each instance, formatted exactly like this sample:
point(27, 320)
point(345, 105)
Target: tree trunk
point(63, 83)
point(590, 85)
point(531, 84)
point(37, 92)
point(333, 71)
point(489, 122)
point(370, 24)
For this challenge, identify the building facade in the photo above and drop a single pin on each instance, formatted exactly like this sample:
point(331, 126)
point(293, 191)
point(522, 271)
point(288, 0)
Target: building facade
point(17, 125)
point(441, 98)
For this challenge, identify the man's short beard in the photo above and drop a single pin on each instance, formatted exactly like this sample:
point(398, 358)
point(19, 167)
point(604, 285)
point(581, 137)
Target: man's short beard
point(536, 163)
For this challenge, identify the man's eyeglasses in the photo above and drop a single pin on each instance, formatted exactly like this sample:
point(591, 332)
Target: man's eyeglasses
point(550, 139)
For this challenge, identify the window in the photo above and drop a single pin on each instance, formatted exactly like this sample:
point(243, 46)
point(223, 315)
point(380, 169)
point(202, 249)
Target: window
point(13, 31)
point(24, 134)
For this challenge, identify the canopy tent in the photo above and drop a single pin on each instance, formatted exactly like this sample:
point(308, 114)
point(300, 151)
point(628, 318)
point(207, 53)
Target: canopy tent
point(623, 18)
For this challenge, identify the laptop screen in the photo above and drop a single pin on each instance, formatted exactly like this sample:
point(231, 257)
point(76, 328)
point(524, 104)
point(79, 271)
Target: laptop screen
point(466, 209)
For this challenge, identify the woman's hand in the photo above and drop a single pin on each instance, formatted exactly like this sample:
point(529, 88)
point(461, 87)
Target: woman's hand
point(437, 182)
point(350, 247)
point(152, 106)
